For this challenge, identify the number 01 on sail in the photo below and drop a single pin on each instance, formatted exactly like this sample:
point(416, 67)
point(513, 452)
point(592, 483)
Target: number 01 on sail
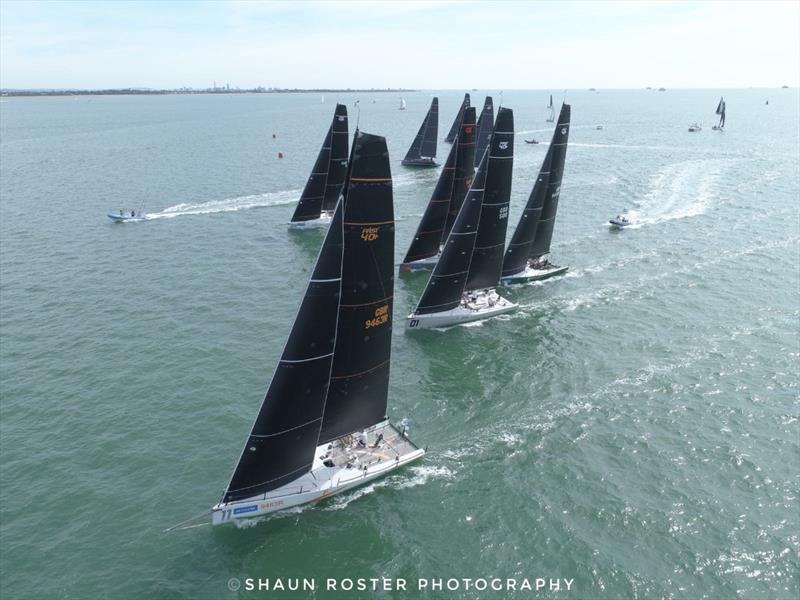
point(322, 428)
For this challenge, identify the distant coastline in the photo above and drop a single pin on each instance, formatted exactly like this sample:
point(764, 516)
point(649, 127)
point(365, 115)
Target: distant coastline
point(214, 90)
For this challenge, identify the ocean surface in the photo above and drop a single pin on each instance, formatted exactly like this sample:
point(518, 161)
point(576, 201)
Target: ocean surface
point(634, 427)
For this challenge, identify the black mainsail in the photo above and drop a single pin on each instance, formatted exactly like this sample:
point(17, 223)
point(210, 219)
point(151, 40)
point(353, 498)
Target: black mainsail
point(487, 254)
point(423, 149)
point(338, 162)
point(452, 183)
point(446, 284)
point(457, 121)
point(557, 153)
point(465, 167)
point(721, 112)
point(485, 128)
point(521, 246)
point(358, 391)
point(325, 181)
point(283, 439)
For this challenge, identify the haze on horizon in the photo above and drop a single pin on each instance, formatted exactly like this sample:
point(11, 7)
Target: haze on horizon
point(422, 45)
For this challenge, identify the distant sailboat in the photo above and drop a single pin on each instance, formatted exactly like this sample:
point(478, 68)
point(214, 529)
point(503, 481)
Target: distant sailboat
point(451, 135)
point(485, 127)
point(721, 112)
point(322, 427)
point(322, 100)
point(324, 184)
point(461, 287)
point(423, 148)
point(402, 104)
point(446, 200)
point(527, 256)
point(551, 113)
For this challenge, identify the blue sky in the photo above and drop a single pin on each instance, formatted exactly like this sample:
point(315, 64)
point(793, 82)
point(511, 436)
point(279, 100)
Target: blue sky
point(457, 44)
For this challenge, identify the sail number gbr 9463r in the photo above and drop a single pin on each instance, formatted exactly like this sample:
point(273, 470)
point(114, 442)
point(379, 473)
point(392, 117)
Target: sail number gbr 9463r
point(381, 317)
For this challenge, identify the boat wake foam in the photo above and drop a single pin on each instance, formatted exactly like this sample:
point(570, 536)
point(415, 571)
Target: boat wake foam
point(412, 477)
point(228, 204)
point(678, 191)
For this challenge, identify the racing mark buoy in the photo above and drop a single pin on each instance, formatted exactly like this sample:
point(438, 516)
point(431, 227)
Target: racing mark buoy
point(274, 136)
point(280, 154)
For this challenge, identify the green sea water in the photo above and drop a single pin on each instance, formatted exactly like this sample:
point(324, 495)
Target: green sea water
point(633, 428)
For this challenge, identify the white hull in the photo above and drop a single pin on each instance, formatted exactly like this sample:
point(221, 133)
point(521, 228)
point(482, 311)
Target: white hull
point(354, 465)
point(421, 264)
point(126, 218)
point(534, 274)
point(323, 221)
point(474, 306)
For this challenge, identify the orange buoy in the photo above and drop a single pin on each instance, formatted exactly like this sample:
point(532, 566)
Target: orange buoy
point(280, 154)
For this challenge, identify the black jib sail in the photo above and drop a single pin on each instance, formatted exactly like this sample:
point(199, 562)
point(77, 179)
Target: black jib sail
point(321, 186)
point(465, 167)
point(721, 112)
point(358, 391)
point(446, 284)
point(520, 248)
point(452, 182)
point(457, 121)
point(487, 255)
point(424, 145)
point(485, 128)
point(558, 154)
point(283, 439)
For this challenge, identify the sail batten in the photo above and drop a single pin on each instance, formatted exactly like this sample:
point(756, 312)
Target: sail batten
point(454, 128)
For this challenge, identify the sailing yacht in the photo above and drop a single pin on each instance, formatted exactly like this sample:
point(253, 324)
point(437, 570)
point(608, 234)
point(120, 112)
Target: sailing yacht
point(402, 104)
point(423, 148)
point(485, 126)
point(455, 127)
point(462, 286)
point(721, 112)
point(446, 200)
point(527, 256)
point(324, 184)
point(551, 112)
point(322, 427)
